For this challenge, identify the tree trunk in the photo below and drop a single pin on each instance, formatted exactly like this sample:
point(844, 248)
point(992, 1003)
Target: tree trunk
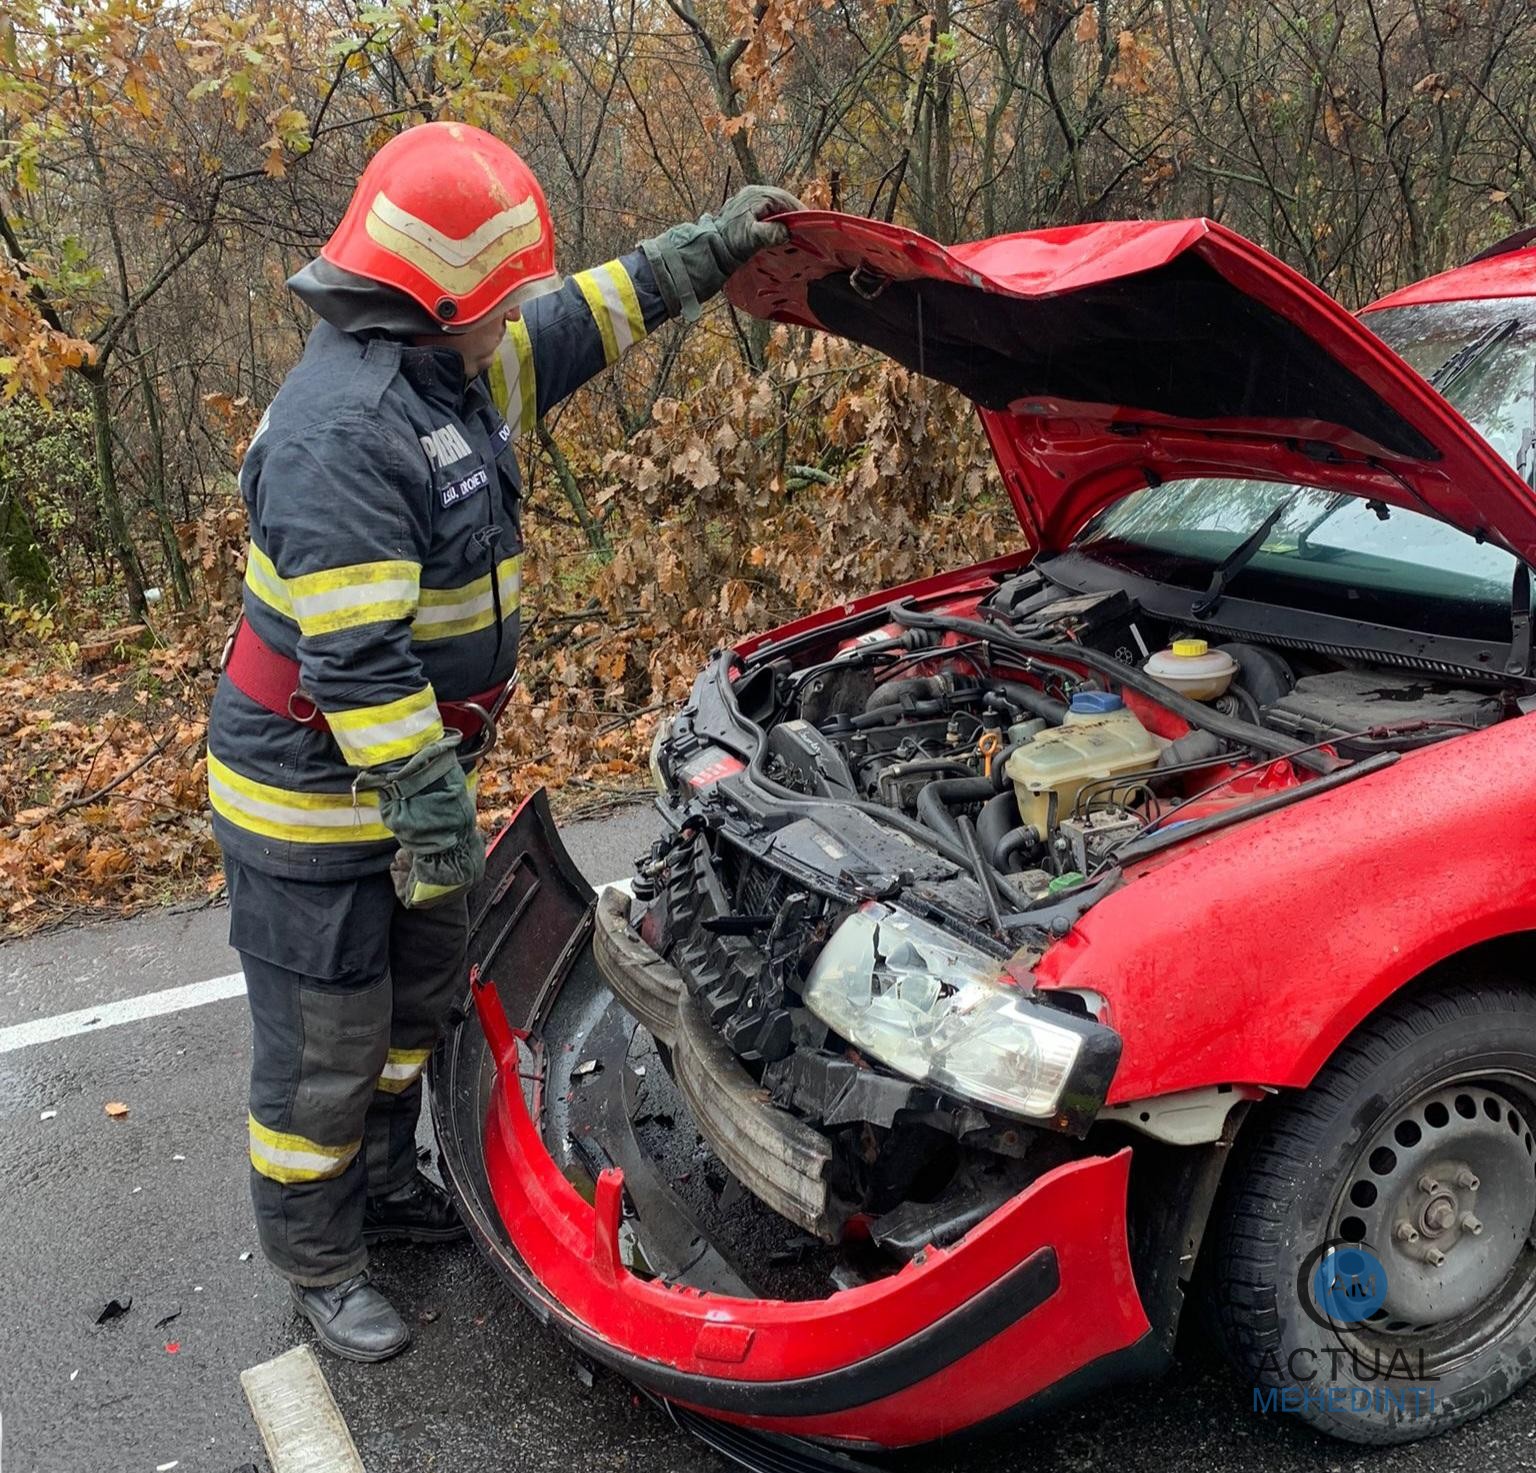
point(106, 480)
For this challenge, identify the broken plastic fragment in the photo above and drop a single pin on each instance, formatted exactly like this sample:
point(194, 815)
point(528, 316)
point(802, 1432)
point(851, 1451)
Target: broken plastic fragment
point(49, 1115)
point(115, 1309)
point(246, 1256)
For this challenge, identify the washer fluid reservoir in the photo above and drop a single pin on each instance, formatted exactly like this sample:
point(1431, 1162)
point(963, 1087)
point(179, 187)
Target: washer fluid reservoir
point(1194, 669)
point(1098, 739)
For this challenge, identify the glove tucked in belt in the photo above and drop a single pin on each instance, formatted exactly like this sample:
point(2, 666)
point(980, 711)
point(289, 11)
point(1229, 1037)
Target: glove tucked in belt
point(426, 804)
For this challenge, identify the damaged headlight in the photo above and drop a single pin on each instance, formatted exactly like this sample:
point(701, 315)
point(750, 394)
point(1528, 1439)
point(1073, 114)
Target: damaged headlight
point(929, 1006)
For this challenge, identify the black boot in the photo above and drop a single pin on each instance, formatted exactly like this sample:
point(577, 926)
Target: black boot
point(353, 1320)
point(420, 1212)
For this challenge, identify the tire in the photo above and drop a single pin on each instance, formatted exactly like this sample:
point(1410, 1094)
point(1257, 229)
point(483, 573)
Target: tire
point(1424, 1119)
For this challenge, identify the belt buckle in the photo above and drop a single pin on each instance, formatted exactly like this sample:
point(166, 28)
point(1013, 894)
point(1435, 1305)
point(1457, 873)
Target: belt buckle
point(486, 737)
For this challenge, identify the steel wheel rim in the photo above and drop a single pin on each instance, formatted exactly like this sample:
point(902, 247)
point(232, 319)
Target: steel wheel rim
point(1462, 1147)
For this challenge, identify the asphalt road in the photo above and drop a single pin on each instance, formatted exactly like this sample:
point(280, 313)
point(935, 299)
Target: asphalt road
point(153, 1207)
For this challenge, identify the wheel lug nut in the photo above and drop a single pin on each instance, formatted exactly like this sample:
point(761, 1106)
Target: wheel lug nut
point(1465, 1178)
point(1428, 1185)
point(1471, 1224)
point(1433, 1257)
point(1405, 1232)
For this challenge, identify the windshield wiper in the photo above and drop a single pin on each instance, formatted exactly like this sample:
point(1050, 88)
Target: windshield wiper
point(1463, 358)
point(1239, 558)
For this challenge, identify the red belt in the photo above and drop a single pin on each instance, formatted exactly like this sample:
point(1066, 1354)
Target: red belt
point(270, 679)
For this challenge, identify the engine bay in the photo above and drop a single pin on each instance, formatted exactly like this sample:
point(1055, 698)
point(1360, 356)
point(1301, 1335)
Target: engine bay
point(877, 825)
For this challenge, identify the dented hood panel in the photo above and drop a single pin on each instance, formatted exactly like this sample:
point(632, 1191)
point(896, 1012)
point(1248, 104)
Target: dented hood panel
point(1105, 358)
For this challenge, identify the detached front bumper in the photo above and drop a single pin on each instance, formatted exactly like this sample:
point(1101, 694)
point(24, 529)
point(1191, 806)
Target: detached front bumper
point(1039, 1296)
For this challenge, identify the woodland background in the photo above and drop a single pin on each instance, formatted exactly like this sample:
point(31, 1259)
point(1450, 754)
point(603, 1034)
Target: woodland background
point(164, 166)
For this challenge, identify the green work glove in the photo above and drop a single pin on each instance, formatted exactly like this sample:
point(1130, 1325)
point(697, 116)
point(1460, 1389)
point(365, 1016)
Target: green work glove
point(691, 262)
point(426, 804)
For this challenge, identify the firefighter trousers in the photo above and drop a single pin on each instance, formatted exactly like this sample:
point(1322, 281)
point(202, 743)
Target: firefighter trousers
point(348, 992)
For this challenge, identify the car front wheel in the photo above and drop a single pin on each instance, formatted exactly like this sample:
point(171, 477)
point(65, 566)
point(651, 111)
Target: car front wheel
point(1373, 1270)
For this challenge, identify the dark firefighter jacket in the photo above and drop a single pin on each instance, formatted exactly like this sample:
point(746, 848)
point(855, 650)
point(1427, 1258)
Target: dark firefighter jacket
point(386, 559)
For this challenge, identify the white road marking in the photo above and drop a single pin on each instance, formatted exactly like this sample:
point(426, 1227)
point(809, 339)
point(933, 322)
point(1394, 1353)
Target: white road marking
point(114, 1014)
point(301, 1426)
point(149, 1005)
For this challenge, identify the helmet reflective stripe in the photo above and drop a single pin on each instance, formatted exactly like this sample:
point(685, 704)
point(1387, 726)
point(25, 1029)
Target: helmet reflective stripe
point(514, 229)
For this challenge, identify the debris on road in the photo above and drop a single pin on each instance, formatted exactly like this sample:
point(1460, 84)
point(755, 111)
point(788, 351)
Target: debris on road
point(172, 1347)
point(49, 1115)
point(116, 1110)
point(427, 1316)
point(246, 1256)
point(175, 1314)
point(115, 1309)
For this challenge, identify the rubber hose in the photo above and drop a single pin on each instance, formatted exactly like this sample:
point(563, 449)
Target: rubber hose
point(1026, 836)
point(933, 802)
point(1036, 702)
point(998, 814)
point(894, 692)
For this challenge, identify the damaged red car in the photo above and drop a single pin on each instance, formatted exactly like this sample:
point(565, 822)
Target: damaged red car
point(1039, 947)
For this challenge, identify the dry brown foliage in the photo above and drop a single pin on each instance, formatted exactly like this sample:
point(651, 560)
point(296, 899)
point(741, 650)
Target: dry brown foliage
point(757, 498)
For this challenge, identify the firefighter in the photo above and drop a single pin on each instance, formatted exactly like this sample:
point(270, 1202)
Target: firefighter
point(376, 648)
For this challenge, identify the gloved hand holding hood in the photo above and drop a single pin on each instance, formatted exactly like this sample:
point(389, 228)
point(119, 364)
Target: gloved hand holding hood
point(692, 262)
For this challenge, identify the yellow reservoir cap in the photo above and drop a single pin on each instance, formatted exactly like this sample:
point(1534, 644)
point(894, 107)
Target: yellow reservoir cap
point(1190, 649)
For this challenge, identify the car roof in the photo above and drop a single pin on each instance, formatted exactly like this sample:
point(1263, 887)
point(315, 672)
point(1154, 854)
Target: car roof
point(1507, 269)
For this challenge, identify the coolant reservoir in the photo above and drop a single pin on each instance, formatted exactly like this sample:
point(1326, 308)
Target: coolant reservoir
point(1194, 669)
point(1099, 738)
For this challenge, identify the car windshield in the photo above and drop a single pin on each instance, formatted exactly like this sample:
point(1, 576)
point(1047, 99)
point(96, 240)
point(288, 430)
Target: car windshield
point(1337, 552)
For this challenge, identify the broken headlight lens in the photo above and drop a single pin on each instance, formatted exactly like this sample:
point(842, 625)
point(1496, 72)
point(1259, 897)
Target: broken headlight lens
point(933, 1008)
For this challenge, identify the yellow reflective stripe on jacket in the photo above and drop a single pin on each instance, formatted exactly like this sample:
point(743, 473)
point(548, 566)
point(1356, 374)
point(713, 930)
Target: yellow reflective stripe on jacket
point(615, 308)
point(280, 813)
point(306, 818)
point(445, 612)
point(293, 1158)
point(263, 580)
point(403, 1068)
point(336, 598)
point(513, 386)
point(362, 593)
point(369, 735)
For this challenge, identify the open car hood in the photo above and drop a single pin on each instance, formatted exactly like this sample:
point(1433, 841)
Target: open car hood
point(1106, 358)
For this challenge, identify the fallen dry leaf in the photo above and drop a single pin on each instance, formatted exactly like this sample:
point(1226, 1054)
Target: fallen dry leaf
point(116, 1110)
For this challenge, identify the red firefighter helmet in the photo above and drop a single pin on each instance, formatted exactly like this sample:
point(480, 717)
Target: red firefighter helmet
point(453, 218)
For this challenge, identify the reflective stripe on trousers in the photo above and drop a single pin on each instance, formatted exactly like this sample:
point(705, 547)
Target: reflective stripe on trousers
point(348, 993)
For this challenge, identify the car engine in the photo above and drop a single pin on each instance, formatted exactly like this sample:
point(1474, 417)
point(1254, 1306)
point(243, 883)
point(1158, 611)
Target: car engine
point(872, 824)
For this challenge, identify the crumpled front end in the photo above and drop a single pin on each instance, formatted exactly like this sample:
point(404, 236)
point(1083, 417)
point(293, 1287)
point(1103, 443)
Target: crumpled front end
point(639, 1191)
